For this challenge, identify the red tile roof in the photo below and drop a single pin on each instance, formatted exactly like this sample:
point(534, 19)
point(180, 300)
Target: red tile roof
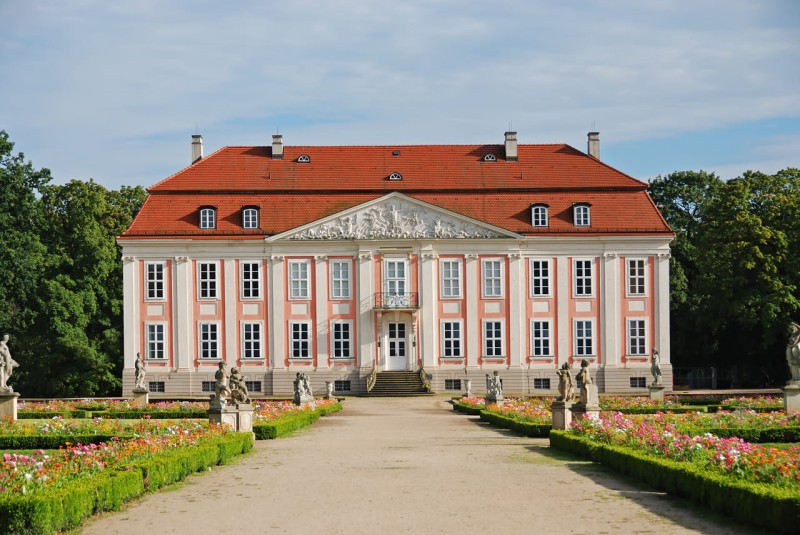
point(454, 177)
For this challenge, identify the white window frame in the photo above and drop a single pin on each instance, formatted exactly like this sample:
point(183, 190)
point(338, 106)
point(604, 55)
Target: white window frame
point(246, 276)
point(256, 343)
point(148, 355)
point(250, 217)
point(580, 290)
point(641, 337)
point(158, 279)
point(450, 285)
point(546, 279)
point(582, 215)
point(485, 339)
point(548, 340)
point(299, 283)
point(582, 353)
point(341, 281)
point(208, 218)
point(217, 351)
point(540, 216)
point(213, 283)
point(497, 280)
point(336, 339)
point(641, 277)
point(458, 340)
point(305, 342)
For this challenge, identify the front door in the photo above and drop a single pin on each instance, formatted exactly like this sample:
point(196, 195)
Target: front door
point(396, 357)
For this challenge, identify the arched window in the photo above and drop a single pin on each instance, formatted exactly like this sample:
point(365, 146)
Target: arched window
point(208, 217)
point(581, 215)
point(539, 215)
point(490, 158)
point(395, 176)
point(250, 217)
point(304, 158)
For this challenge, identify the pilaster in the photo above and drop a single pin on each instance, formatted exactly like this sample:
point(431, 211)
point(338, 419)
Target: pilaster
point(564, 294)
point(661, 306)
point(516, 316)
point(365, 296)
point(277, 304)
point(231, 326)
point(429, 297)
point(320, 296)
point(183, 313)
point(609, 296)
point(130, 307)
point(472, 327)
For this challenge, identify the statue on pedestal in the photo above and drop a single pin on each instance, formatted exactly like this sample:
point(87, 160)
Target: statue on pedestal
point(7, 365)
point(494, 388)
point(564, 383)
point(793, 352)
point(222, 391)
point(583, 376)
point(655, 367)
point(139, 373)
point(238, 388)
point(302, 390)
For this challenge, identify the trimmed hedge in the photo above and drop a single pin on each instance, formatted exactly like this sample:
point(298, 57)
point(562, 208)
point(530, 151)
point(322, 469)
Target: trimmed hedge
point(770, 507)
point(61, 508)
point(293, 422)
point(758, 435)
point(50, 442)
point(49, 415)
point(527, 429)
point(734, 408)
point(136, 414)
point(467, 409)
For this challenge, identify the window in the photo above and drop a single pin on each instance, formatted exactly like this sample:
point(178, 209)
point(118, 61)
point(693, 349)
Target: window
point(342, 336)
point(301, 346)
point(451, 279)
point(154, 280)
point(540, 278)
point(493, 339)
point(636, 276)
point(250, 218)
point(155, 341)
point(539, 215)
point(490, 158)
point(581, 215)
point(340, 279)
point(451, 338)
point(540, 383)
point(584, 341)
point(207, 386)
point(298, 279)
point(638, 382)
point(452, 384)
point(208, 218)
point(304, 158)
point(251, 340)
point(341, 386)
point(583, 277)
point(156, 386)
point(207, 280)
point(395, 176)
point(253, 386)
point(540, 338)
point(492, 278)
point(209, 340)
point(251, 280)
point(637, 337)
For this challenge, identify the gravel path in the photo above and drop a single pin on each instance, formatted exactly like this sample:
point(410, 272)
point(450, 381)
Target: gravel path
point(407, 465)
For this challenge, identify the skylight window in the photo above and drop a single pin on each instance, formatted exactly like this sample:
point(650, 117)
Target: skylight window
point(304, 158)
point(490, 158)
point(395, 176)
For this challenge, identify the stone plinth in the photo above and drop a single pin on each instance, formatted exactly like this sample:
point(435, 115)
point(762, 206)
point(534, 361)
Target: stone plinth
point(8, 406)
point(225, 415)
point(589, 395)
point(141, 397)
point(562, 414)
point(468, 385)
point(791, 398)
point(329, 390)
point(657, 392)
point(244, 419)
point(589, 406)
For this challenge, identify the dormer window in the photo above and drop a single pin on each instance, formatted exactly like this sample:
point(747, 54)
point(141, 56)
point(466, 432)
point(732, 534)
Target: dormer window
point(304, 158)
point(539, 215)
point(490, 158)
point(395, 176)
point(250, 217)
point(580, 214)
point(208, 217)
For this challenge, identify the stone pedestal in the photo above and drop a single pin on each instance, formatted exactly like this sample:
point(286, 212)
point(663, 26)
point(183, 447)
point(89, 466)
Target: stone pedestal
point(589, 406)
point(225, 415)
point(8, 406)
point(657, 392)
point(244, 419)
point(791, 398)
point(562, 414)
point(589, 395)
point(141, 397)
point(329, 390)
point(468, 385)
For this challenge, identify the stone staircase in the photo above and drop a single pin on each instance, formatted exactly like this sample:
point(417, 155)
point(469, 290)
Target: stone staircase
point(398, 384)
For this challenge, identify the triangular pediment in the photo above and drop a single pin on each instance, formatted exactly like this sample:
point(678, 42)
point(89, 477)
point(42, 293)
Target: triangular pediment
point(395, 217)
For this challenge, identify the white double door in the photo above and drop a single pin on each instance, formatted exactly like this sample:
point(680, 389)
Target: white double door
point(396, 345)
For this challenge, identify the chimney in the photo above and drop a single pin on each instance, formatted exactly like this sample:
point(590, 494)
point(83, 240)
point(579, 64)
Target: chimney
point(277, 146)
point(593, 145)
point(197, 148)
point(511, 146)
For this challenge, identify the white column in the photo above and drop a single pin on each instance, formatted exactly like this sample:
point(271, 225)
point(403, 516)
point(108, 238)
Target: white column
point(516, 307)
point(130, 307)
point(231, 329)
point(661, 306)
point(183, 313)
point(277, 300)
point(429, 297)
point(563, 324)
point(472, 327)
point(365, 296)
point(609, 309)
point(320, 296)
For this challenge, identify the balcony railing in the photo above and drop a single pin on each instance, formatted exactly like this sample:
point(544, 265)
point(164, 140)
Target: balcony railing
point(393, 301)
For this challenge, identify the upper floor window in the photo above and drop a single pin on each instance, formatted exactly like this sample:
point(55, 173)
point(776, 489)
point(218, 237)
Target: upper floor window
point(298, 279)
point(250, 218)
point(208, 217)
point(340, 279)
point(490, 158)
point(581, 215)
point(154, 280)
point(251, 280)
point(540, 278)
point(451, 278)
point(539, 215)
point(636, 276)
point(207, 280)
point(492, 278)
point(395, 176)
point(582, 271)
point(304, 158)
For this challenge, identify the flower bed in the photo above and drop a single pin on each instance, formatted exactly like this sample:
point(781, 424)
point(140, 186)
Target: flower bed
point(277, 420)
point(646, 405)
point(471, 405)
point(758, 403)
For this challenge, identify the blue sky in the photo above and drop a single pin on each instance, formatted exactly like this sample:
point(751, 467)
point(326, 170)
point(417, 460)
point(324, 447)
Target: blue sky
point(113, 91)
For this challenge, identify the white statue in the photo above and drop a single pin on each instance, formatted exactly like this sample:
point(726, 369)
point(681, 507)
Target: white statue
point(222, 391)
point(7, 365)
point(238, 387)
point(494, 388)
point(583, 376)
point(655, 367)
point(302, 390)
point(565, 383)
point(139, 373)
point(793, 352)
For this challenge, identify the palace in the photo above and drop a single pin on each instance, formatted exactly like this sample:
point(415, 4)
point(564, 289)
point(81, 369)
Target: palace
point(343, 262)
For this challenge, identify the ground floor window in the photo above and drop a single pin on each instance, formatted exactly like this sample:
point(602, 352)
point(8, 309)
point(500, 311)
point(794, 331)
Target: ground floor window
point(493, 339)
point(253, 386)
point(155, 341)
point(584, 338)
point(208, 386)
point(451, 339)
point(540, 383)
point(452, 384)
point(251, 340)
point(638, 382)
point(156, 386)
point(209, 340)
point(341, 340)
point(341, 386)
point(301, 344)
point(637, 337)
point(540, 337)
